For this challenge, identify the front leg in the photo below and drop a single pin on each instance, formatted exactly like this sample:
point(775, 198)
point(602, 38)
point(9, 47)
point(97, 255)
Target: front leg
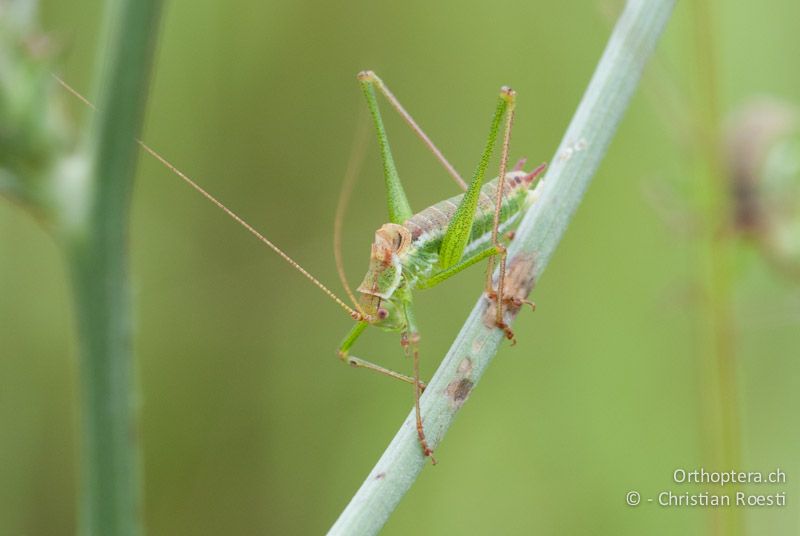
point(357, 362)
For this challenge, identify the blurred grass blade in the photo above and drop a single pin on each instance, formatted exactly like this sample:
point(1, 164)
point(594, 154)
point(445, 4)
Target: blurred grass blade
point(572, 167)
point(96, 240)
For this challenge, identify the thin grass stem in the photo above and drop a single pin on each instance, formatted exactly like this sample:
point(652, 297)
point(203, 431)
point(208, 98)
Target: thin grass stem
point(96, 239)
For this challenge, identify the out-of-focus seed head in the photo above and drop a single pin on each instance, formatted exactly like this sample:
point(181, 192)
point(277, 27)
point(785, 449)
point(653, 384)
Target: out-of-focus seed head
point(763, 159)
point(33, 129)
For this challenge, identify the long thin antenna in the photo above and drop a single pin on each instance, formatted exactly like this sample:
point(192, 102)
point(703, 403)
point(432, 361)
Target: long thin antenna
point(351, 174)
point(356, 315)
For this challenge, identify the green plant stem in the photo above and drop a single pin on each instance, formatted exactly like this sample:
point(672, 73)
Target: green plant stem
point(581, 150)
point(96, 241)
point(718, 319)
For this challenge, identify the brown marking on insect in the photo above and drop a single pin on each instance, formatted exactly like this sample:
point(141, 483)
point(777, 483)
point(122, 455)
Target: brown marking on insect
point(387, 258)
point(380, 476)
point(535, 174)
point(519, 282)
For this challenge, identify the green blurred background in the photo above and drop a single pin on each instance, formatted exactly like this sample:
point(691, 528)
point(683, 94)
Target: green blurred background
point(250, 423)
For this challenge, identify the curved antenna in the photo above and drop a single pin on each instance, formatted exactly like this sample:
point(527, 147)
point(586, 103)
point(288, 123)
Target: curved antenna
point(354, 164)
point(356, 315)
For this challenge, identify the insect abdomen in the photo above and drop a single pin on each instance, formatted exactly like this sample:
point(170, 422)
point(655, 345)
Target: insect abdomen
point(429, 226)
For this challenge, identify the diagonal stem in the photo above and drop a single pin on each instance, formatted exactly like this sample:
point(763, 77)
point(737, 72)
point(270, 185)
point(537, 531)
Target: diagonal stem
point(581, 150)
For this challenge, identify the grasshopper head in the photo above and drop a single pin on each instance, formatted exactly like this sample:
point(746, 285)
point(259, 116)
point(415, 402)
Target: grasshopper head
point(385, 276)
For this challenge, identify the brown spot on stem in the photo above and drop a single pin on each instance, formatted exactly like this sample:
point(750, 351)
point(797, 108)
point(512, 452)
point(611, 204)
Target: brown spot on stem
point(459, 389)
point(465, 367)
point(477, 344)
point(380, 476)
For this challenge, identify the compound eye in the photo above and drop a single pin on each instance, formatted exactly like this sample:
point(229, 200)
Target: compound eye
point(398, 241)
point(382, 313)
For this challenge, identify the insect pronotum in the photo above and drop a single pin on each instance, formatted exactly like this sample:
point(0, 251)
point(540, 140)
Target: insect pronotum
point(420, 250)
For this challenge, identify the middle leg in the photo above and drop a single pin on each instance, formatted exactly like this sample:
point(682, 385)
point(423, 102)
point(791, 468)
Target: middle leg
point(410, 342)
